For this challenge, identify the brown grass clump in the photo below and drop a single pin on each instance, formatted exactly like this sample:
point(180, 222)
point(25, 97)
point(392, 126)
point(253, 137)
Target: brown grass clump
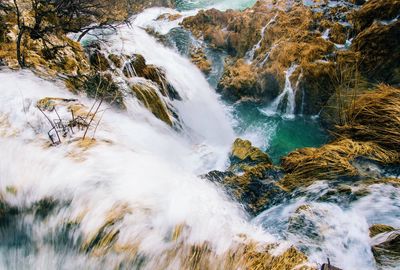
point(374, 10)
point(375, 117)
point(330, 162)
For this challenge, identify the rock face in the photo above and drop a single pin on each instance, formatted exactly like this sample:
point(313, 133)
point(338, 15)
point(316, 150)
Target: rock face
point(264, 41)
point(376, 229)
point(251, 178)
point(386, 248)
point(243, 153)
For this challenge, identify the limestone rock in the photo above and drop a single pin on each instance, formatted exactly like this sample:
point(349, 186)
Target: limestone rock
point(148, 96)
point(244, 153)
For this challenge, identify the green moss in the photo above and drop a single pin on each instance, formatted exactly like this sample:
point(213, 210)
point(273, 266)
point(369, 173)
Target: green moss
point(152, 101)
point(102, 86)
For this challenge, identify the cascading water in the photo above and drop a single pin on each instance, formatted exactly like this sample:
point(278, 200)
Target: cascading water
point(251, 53)
point(288, 94)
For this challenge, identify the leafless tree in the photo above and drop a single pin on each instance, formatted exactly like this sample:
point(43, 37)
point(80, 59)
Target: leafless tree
point(61, 17)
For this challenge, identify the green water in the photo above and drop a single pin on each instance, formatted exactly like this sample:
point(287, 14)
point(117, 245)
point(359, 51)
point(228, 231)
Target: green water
point(220, 4)
point(277, 135)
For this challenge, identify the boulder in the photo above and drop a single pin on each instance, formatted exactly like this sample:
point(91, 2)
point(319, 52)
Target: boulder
point(148, 96)
point(244, 153)
point(251, 178)
point(137, 67)
point(376, 229)
point(386, 249)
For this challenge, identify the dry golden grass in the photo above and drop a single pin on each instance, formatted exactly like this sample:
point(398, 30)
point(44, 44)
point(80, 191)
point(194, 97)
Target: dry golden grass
point(330, 162)
point(375, 117)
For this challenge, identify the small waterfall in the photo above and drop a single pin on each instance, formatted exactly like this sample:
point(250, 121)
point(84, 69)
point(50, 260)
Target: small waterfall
point(287, 93)
point(250, 54)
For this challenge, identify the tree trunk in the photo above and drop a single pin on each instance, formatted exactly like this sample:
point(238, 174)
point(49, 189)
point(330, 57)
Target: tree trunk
point(20, 58)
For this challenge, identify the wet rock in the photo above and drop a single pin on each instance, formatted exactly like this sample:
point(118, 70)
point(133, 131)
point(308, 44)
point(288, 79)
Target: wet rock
point(376, 229)
point(251, 179)
point(148, 96)
point(300, 222)
point(244, 153)
point(102, 86)
point(116, 59)
point(255, 187)
point(169, 17)
point(386, 249)
point(137, 67)
point(199, 58)
point(315, 87)
point(99, 61)
point(239, 82)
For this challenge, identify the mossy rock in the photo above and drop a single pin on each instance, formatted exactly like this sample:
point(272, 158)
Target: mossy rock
point(102, 86)
point(244, 153)
point(379, 228)
point(99, 61)
point(254, 186)
point(387, 252)
point(116, 59)
point(148, 96)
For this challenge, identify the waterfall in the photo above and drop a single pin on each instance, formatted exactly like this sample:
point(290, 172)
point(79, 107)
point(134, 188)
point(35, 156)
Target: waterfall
point(287, 93)
point(139, 168)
